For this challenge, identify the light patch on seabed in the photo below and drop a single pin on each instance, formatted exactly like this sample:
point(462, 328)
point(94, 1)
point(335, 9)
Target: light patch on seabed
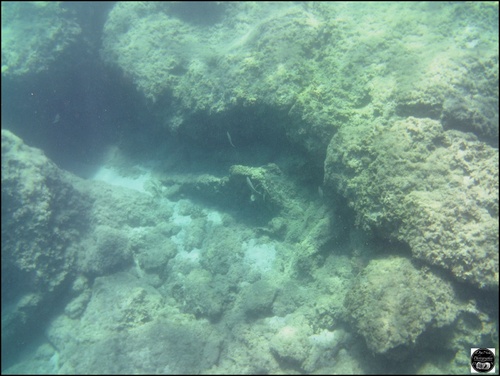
point(54, 361)
point(214, 218)
point(178, 217)
point(111, 176)
point(259, 257)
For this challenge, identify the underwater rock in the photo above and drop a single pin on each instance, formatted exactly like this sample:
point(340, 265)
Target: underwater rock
point(56, 226)
point(127, 316)
point(43, 215)
point(34, 35)
point(316, 67)
point(393, 303)
point(435, 190)
point(109, 253)
point(258, 297)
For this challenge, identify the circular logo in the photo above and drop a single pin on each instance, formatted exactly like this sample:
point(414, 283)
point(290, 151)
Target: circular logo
point(482, 360)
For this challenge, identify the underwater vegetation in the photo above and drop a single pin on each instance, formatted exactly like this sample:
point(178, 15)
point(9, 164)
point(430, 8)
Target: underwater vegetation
point(299, 183)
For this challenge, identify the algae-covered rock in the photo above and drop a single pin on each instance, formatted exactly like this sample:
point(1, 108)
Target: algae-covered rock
point(291, 345)
point(43, 213)
point(265, 185)
point(314, 64)
point(109, 252)
point(258, 298)
point(433, 189)
point(34, 34)
point(202, 295)
point(56, 226)
point(128, 321)
point(43, 217)
point(393, 303)
point(254, 93)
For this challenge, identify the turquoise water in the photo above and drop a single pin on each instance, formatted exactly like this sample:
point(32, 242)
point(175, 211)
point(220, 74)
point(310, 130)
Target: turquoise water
point(211, 187)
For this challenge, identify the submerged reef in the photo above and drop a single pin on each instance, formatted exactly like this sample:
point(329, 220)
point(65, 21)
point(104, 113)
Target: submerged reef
point(317, 63)
point(398, 111)
point(322, 173)
point(34, 35)
point(42, 218)
point(393, 303)
point(435, 190)
point(400, 108)
point(401, 309)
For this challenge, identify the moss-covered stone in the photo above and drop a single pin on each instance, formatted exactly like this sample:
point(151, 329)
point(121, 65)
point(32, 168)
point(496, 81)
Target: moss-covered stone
point(34, 34)
point(393, 303)
point(258, 297)
point(316, 63)
point(433, 189)
point(202, 296)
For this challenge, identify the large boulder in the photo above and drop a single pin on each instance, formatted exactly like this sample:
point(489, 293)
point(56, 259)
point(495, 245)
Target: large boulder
point(43, 216)
point(307, 68)
point(55, 228)
point(34, 35)
point(392, 303)
point(435, 190)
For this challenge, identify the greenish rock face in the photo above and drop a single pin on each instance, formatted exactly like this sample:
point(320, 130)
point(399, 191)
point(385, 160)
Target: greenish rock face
point(393, 303)
point(315, 170)
point(323, 66)
point(34, 35)
point(435, 190)
point(258, 298)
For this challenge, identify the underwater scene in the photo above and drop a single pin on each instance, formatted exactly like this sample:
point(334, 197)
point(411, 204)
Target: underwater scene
point(250, 187)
